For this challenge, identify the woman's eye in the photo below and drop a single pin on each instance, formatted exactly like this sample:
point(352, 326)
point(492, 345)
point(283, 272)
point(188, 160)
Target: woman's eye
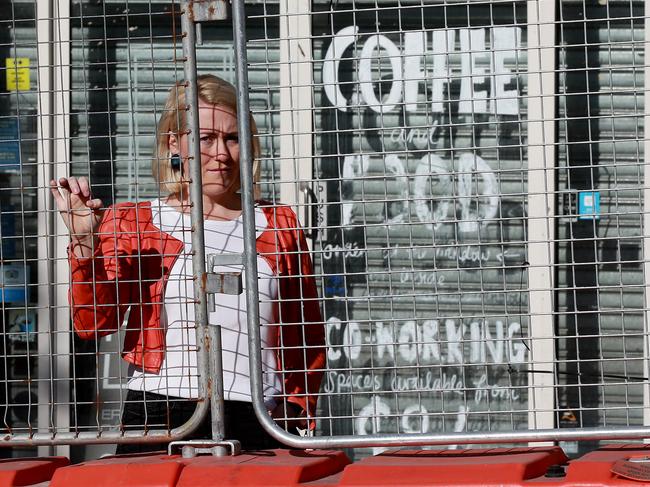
point(206, 139)
point(233, 138)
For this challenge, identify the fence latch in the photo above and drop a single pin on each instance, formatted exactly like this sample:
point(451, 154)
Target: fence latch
point(223, 282)
point(193, 448)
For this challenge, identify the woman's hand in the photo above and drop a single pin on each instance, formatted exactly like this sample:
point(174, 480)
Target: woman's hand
point(289, 415)
point(80, 212)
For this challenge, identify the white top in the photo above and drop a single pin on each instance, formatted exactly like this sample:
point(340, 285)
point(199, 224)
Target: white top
point(178, 373)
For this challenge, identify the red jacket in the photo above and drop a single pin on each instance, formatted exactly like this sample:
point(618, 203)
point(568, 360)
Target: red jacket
point(130, 268)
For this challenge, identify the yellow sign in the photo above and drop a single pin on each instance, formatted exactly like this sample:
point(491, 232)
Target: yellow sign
point(17, 74)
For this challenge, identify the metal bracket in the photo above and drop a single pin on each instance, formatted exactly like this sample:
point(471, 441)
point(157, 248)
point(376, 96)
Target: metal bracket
point(193, 448)
point(222, 282)
point(207, 10)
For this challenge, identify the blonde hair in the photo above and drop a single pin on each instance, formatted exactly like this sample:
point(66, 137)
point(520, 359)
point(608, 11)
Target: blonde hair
point(173, 121)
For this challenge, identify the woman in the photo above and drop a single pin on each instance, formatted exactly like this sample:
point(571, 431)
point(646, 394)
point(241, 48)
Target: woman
point(133, 262)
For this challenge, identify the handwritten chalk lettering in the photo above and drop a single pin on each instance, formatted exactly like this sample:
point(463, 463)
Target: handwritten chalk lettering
point(425, 277)
point(473, 211)
point(433, 191)
point(352, 339)
point(421, 343)
point(493, 298)
point(432, 172)
point(398, 210)
point(354, 167)
point(487, 392)
point(340, 382)
point(378, 417)
point(416, 419)
point(462, 254)
point(431, 382)
point(349, 249)
point(512, 257)
point(465, 254)
point(420, 138)
point(410, 69)
point(368, 420)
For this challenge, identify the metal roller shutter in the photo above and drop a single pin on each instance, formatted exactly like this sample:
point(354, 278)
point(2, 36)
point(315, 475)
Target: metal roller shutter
point(425, 222)
point(600, 273)
point(120, 86)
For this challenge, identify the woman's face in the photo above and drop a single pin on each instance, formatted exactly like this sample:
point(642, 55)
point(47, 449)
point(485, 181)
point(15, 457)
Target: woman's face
point(219, 140)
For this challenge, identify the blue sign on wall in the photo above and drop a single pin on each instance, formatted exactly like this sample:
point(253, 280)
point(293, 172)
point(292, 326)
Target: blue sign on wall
point(9, 144)
point(589, 205)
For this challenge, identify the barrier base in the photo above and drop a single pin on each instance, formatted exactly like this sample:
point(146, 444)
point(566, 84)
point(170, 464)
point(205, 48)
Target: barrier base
point(136, 470)
point(599, 467)
point(272, 467)
point(498, 466)
point(29, 471)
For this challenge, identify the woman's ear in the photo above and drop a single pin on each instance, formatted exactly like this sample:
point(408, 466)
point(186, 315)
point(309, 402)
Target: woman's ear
point(173, 145)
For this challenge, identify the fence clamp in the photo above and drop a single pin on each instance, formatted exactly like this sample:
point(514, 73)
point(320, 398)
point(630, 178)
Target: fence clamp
point(193, 448)
point(223, 282)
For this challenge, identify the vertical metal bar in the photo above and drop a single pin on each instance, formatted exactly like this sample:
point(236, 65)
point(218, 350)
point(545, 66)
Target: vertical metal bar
point(248, 205)
point(47, 166)
point(208, 339)
point(541, 209)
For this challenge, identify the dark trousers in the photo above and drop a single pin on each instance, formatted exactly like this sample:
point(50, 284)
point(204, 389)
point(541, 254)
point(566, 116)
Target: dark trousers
point(162, 412)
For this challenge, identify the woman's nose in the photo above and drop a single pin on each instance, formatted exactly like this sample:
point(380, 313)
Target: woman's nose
point(220, 147)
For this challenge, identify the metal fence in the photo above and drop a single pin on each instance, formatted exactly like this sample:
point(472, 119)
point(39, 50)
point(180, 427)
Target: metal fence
point(468, 176)
point(471, 175)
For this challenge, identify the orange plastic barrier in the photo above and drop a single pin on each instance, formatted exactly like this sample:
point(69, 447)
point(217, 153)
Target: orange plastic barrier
point(273, 467)
point(611, 465)
point(264, 468)
point(548, 467)
point(125, 470)
point(498, 466)
point(29, 471)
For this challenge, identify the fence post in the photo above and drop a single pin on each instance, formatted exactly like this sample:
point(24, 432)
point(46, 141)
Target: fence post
point(248, 206)
point(206, 337)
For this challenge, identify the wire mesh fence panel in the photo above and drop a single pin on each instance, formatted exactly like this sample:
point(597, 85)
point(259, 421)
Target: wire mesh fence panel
point(600, 278)
point(18, 220)
point(100, 324)
point(447, 224)
point(100, 339)
point(469, 178)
